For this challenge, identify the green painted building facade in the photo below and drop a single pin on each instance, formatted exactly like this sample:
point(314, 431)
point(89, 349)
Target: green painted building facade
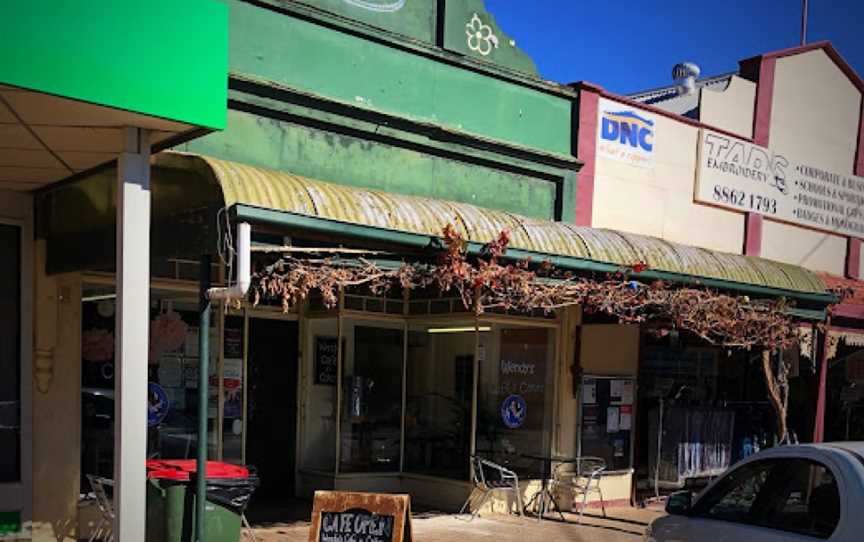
point(426, 98)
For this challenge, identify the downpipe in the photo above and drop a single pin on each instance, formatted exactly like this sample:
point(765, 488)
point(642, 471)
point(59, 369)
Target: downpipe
point(241, 286)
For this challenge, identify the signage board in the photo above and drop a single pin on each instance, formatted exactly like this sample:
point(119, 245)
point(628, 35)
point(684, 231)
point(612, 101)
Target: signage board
point(740, 175)
point(625, 134)
point(339, 516)
point(326, 357)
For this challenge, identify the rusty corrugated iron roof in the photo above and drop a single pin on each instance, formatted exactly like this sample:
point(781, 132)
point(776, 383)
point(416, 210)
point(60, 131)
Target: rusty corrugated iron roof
point(281, 191)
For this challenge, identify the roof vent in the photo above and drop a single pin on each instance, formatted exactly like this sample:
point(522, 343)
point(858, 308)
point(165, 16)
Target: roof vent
point(684, 74)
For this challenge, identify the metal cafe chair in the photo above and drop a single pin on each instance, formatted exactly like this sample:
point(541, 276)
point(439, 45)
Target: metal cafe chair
point(489, 477)
point(582, 477)
point(105, 528)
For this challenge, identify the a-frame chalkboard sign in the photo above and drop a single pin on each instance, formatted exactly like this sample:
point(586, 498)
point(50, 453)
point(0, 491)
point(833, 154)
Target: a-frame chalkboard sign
point(339, 516)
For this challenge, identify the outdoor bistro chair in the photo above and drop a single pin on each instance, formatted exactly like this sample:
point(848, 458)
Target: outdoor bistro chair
point(105, 528)
point(581, 476)
point(489, 477)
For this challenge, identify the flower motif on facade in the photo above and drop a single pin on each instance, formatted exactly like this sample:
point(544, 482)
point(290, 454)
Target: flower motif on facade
point(480, 36)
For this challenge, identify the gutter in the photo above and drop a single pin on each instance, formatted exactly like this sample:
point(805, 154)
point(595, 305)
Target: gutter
point(420, 241)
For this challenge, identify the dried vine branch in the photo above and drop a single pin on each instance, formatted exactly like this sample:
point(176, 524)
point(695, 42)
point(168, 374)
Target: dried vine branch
point(486, 283)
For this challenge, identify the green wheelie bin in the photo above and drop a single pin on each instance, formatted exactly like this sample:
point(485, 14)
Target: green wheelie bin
point(171, 500)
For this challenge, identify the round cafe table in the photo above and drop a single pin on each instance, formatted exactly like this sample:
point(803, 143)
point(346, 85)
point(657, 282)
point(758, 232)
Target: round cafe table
point(538, 500)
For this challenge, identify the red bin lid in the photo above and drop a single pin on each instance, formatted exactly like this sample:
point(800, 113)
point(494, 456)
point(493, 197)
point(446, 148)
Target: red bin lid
point(179, 469)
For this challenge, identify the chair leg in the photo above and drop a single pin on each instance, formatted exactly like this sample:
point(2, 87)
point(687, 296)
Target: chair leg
point(519, 501)
point(467, 501)
point(249, 529)
point(483, 500)
point(602, 504)
point(97, 530)
point(584, 504)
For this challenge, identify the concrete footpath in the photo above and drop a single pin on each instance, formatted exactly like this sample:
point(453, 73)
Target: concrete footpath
point(622, 524)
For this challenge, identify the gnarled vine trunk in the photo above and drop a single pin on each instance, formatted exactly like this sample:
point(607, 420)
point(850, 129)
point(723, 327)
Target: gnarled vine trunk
point(777, 382)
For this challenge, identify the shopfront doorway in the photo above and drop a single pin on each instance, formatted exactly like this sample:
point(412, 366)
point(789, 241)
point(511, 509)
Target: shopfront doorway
point(272, 404)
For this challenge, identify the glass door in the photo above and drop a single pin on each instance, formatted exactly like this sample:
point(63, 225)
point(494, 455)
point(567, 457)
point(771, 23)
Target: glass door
point(11, 441)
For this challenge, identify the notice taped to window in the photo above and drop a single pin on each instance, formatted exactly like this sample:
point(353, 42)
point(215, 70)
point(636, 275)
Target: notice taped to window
point(339, 516)
point(740, 175)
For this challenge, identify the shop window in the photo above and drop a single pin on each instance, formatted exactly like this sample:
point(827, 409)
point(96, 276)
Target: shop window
point(10, 354)
point(607, 420)
point(371, 426)
point(440, 376)
point(172, 379)
point(515, 394)
point(233, 389)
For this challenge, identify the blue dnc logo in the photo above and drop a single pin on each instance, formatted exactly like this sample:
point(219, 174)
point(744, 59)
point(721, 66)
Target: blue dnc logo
point(628, 128)
point(513, 411)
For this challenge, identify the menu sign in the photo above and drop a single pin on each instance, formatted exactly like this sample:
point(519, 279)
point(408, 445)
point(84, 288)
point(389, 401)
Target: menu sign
point(743, 176)
point(326, 357)
point(339, 516)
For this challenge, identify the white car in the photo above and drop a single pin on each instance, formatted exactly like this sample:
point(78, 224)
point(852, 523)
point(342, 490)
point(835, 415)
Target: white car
point(790, 493)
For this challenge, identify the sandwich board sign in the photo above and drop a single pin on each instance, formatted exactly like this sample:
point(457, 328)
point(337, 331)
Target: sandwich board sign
point(341, 516)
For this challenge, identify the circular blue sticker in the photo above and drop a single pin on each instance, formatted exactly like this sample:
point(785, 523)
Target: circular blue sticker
point(157, 404)
point(513, 411)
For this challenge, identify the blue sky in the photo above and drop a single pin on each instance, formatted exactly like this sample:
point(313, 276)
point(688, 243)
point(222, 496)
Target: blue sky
point(631, 45)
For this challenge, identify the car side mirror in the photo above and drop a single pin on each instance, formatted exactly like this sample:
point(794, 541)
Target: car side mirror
point(679, 503)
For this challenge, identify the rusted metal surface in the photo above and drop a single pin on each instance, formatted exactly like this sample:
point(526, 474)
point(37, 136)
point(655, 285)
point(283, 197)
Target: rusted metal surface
point(342, 515)
point(281, 191)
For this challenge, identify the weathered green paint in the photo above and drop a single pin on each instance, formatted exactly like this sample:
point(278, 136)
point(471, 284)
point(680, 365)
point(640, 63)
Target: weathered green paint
point(412, 18)
point(318, 60)
point(357, 162)
point(472, 31)
point(163, 58)
point(419, 241)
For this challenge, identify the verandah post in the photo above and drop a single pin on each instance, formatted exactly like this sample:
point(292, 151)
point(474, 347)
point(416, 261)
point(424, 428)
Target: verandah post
point(203, 393)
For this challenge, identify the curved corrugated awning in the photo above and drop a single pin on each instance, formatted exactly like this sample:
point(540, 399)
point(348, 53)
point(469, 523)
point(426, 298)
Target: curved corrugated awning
point(246, 185)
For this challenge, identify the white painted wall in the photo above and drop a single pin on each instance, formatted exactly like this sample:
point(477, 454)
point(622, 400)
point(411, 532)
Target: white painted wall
point(814, 120)
point(799, 246)
point(730, 108)
point(658, 201)
point(814, 115)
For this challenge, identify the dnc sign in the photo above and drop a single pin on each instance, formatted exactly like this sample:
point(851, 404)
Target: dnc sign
point(625, 134)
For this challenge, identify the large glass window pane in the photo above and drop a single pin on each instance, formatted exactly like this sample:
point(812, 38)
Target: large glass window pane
point(233, 383)
point(440, 376)
point(10, 353)
point(172, 379)
point(372, 400)
point(515, 393)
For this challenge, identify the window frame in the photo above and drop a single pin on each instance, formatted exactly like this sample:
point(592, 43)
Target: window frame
point(18, 495)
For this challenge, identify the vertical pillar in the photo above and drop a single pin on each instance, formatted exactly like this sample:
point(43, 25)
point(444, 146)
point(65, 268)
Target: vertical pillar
point(819, 422)
point(203, 397)
point(132, 335)
point(853, 258)
point(752, 234)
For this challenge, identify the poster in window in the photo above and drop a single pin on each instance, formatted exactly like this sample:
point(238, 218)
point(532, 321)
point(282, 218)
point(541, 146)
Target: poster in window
point(616, 390)
point(589, 392)
point(522, 372)
point(613, 420)
point(625, 422)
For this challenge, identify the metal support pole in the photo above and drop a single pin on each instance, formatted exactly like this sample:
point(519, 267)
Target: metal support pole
point(132, 327)
point(203, 396)
point(819, 423)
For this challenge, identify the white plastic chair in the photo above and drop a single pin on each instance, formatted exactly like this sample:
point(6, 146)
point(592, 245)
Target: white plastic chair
point(105, 528)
